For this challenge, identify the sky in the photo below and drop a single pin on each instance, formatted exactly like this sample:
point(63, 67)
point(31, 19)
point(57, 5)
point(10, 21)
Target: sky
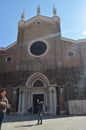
point(72, 15)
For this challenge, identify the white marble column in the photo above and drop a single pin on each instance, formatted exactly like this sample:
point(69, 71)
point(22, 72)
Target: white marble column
point(55, 100)
point(23, 102)
point(46, 98)
point(52, 100)
point(20, 101)
point(21, 105)
point(29, 98)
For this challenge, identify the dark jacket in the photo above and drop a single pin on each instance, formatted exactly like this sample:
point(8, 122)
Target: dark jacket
point(40, 107)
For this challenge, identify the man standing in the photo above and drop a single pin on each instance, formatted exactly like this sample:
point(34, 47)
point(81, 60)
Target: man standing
point(40, 111)
point(3, 105)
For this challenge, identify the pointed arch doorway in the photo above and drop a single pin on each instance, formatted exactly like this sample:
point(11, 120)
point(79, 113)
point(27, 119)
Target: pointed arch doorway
point(37, 84)
point(37, 87)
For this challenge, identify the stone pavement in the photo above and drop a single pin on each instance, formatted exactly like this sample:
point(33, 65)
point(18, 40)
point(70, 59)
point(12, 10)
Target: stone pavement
point(26, 122)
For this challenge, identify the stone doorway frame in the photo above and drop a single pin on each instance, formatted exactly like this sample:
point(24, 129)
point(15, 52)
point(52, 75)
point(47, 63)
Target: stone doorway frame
point(39, 90)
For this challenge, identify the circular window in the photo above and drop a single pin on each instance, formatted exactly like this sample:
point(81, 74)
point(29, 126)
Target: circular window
point(38, 22)
point(8, 59)
point(70, 53)
point(38, 48)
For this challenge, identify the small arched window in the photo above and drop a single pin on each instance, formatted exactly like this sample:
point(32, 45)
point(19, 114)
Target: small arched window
point(38, 83)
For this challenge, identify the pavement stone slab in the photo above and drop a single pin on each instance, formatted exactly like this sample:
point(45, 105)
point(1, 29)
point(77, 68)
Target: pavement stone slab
point(24, 122)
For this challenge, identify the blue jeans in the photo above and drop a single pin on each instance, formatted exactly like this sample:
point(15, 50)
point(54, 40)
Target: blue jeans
point(2, 116)
point(40, 117)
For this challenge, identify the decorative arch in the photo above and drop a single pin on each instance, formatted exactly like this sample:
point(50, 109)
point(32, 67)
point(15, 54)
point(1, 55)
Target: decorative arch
point(37, 76)
point(38, 83)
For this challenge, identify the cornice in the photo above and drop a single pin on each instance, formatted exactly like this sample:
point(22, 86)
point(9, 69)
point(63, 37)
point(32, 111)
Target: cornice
point(8, 47)
point(69, 40)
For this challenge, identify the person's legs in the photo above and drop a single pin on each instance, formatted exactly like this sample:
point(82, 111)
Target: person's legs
point(41, 118)
point(2, 116)
point(38, 118)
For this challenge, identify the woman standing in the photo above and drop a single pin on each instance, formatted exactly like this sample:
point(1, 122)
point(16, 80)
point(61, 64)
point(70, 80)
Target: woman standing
point(3, 105)
point(40, 111)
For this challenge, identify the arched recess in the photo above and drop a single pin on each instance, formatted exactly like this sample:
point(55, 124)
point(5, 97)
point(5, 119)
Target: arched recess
point(38, 83)
point(37, 76)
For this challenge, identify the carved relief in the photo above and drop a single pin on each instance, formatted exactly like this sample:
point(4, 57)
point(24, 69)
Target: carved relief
point(53, 81)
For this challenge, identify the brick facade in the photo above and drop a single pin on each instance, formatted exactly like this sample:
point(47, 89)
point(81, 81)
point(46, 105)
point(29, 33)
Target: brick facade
point(63, 63)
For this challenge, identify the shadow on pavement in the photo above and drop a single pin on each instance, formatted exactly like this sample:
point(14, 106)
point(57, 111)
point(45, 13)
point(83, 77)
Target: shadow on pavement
point(25, 126)
point(28, 117)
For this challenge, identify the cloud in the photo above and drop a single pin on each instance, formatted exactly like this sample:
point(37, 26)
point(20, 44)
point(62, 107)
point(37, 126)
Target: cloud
point(84, 32)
